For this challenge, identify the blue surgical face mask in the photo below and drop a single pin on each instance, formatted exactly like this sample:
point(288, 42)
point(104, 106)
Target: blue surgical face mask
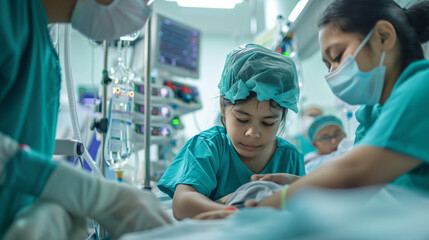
point(353, 86)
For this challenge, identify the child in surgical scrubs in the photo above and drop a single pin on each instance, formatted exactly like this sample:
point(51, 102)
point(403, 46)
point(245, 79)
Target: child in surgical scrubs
point(257, 87)
point(327, 135)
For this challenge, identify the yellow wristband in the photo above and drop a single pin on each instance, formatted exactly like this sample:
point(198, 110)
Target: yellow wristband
point(283, 197)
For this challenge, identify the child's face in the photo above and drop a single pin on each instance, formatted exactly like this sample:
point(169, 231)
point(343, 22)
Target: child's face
point(252, 128)
point(328, 138)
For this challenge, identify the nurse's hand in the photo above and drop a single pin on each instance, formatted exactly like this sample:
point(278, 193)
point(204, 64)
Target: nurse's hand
point(251, 203)
point(119, 207)
point(279, 178)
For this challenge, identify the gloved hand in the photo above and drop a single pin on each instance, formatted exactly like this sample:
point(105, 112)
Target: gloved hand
point(118, 207)
point(47, 220)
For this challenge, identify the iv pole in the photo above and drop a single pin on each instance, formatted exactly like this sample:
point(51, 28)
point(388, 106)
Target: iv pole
point(105, 82)
point(147, 93)
point(102, 124)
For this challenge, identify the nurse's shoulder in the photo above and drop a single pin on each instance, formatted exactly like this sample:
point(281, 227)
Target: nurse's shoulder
point(416, 75)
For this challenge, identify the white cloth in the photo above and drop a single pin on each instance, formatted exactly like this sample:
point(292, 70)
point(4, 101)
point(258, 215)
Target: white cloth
point(255, 190)
point(119, 207)
point(47, 220)
point(312, 161)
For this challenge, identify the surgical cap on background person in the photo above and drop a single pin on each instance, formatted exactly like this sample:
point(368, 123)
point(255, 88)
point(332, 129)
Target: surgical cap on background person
point(321, 122)
point(253, 68)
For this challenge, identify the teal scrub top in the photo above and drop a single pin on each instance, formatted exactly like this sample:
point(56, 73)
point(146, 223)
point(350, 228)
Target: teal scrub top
point(209, 163)
point(402, 124)
point(29, 102)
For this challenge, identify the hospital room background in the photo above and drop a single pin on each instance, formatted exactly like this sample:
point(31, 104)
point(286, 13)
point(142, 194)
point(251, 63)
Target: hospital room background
point(185, 98)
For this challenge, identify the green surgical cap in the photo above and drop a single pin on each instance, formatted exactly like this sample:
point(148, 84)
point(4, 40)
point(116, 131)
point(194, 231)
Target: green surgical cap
point(321, 122)
point(253, 68)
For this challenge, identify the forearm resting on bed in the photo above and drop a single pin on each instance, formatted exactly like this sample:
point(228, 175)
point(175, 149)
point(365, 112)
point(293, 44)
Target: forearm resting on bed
point(188, 202)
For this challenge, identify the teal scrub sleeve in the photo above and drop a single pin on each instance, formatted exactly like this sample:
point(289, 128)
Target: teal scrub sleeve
point(195, 165)
point(14, 38)
point(298, 159)
point(14, 19)
point(290, 157)
point(366, 116)
point(403, 124)
point(27, 172)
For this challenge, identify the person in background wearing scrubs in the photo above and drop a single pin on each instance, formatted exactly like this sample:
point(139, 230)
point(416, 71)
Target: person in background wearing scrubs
point(372, 49)
point(327, 135)
point(302, 140)
point(39, 198)
point(257, 87)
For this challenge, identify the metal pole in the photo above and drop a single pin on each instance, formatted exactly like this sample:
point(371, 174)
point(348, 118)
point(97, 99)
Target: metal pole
point(147, 93)
point(101, 230)
point(104, 109)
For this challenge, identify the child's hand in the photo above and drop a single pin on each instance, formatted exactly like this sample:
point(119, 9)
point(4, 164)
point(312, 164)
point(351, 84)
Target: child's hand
point(216, 214)
point(224, 199)
point(251, 203)
point(280, 178)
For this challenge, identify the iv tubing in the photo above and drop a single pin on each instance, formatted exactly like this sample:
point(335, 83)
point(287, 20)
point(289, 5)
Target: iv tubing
point(72, 100)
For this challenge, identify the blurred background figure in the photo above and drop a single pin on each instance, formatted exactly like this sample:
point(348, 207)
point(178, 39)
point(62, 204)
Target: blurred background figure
point(301, 140)
point(327, 136)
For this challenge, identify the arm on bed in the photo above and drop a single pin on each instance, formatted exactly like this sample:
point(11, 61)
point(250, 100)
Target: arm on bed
point(188, 202)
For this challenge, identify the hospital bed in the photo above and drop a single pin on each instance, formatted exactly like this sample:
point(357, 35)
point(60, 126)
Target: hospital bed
point(366, 213)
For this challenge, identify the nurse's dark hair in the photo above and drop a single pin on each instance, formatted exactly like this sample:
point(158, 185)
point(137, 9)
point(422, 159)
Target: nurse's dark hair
point(225, 102)
point(359, 16)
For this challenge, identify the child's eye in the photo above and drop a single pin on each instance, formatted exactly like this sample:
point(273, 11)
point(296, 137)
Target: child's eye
point(268, 124)
point(241, 120)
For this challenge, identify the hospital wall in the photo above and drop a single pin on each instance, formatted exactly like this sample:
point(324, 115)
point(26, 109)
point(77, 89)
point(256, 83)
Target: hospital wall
point(213, 54)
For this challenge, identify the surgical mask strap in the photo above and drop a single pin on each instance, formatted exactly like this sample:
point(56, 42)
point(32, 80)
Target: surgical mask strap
point(382, 58)
point(365, 40)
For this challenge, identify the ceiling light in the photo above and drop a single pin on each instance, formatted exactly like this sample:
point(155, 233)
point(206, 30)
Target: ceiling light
point(226, 4)
point(297, 10)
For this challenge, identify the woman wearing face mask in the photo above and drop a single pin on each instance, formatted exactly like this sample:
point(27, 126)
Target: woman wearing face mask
point(373, 51)
point(29, 103)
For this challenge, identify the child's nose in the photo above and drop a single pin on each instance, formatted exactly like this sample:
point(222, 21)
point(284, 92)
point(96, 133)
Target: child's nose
point(254, 131)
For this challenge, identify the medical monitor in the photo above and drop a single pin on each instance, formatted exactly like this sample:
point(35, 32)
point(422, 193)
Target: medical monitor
point(176, 47)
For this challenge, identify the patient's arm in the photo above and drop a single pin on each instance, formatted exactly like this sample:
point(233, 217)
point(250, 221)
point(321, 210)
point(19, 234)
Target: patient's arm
point(279, 178)
point(362, 166)
point(188, 202)
point(217, 214)
point(224, 199)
